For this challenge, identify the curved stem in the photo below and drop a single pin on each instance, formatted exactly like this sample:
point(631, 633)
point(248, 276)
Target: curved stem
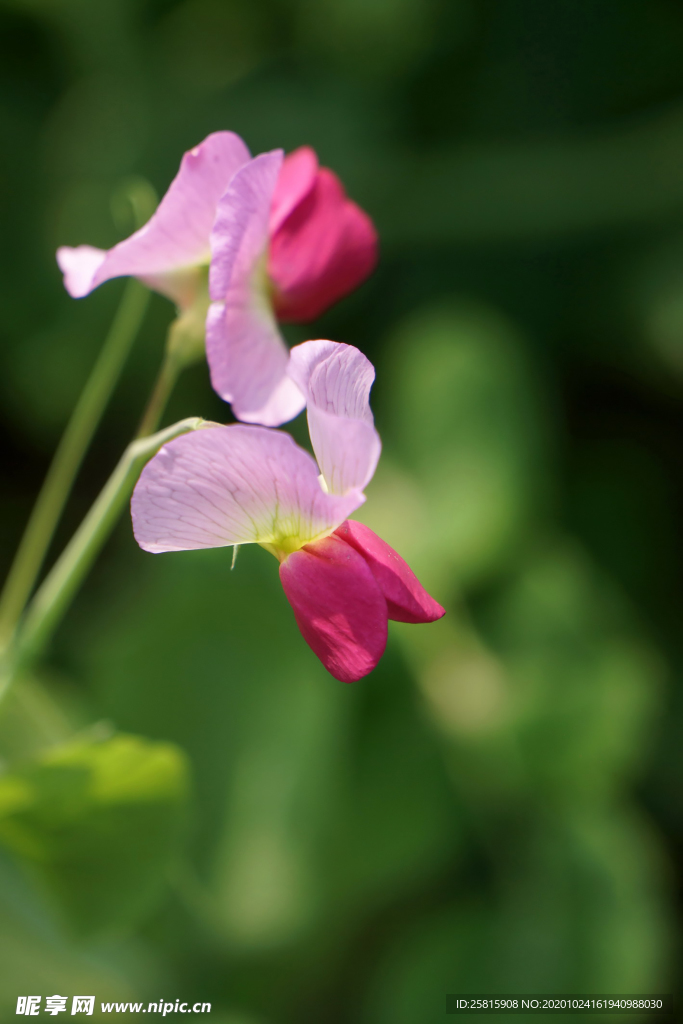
point(60, 585)
point(69, 455)
point(184, 345)
point(161, 392)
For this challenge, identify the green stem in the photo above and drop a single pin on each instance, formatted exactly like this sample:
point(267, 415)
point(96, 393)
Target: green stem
point(69, 455)
point(184, 346)
point(161, 392)
point(60, 585)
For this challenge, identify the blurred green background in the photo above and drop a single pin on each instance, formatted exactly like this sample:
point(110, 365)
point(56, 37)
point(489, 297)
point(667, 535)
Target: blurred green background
point(498, 807)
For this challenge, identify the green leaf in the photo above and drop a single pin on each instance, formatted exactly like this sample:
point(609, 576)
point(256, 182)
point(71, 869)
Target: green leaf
point(98, 823)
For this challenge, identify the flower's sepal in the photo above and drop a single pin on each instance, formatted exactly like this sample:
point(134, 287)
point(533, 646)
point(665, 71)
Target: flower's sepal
point(186, 341)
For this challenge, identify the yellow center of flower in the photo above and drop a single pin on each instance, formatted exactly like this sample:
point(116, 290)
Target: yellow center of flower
point(284, 546)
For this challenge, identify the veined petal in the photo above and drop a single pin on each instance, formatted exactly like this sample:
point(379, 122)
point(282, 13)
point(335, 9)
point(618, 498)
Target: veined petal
point(233, 485)
point(336, 380)
point(247, 357)
point(239, 236)
point(407, 600)
point(336, 377)
point(338, 606)
point(178, 233)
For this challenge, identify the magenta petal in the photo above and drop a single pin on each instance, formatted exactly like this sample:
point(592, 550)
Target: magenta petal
point(336, 380)
point(321, 251)
point(296, 179)
point(338, 606)
point(247, 357)
point(177, 235)
point(407, 600)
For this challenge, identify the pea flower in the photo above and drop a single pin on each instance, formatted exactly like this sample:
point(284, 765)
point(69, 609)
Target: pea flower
point(283, 241)
point(242, 484)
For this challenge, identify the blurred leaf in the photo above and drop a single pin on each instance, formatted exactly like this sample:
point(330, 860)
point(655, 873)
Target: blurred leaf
point(551, 691)
point(571, 906)
point(36, 716)
point(98, 823)
point(36, 957)
point(397, 822)
point(586, 683)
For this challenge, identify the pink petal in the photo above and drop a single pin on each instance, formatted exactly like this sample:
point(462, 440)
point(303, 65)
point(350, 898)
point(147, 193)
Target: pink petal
point(295, 181)
point(232, 485)
point(239, 236)
point(177, 235)
point(336, 380)
point(321, 251)
point(338, 606)
point(247, 357)
point(79, 267)
point(335, 377)
point(407, 600)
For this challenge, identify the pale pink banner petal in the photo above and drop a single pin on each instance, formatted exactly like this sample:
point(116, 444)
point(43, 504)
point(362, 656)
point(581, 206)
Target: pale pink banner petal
point(178, 233)
point(407, 600)
point(338, 606)
point(239, 236)
point(233, 485)
point(247, 357)
point(336, 380)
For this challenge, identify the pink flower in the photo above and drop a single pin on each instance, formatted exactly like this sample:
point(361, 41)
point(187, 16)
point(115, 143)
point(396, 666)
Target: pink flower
point(247, 484)
point(284, 242)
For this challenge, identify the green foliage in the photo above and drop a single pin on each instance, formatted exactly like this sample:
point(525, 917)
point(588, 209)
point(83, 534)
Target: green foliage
point(99, 824)
point(36, 956)
point(571, 910)
point(467, 423)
